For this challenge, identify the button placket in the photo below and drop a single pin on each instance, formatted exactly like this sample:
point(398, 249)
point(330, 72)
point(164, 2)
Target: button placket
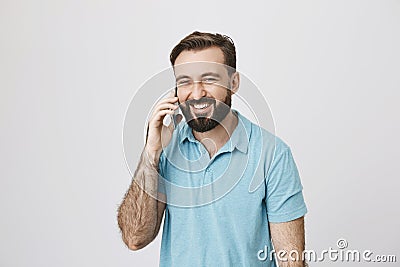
point(208, 174)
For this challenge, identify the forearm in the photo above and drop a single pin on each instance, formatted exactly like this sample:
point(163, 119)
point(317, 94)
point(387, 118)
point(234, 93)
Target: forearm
point(138, 213)
point(289, 244)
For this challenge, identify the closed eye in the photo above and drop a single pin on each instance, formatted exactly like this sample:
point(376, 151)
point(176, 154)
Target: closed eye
point(209, 80)
point(183, 82)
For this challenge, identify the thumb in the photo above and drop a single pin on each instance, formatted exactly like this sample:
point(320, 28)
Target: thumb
point(178, 118)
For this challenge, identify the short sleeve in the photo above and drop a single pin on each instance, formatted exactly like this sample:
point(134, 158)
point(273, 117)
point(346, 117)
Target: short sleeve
point(284, 198)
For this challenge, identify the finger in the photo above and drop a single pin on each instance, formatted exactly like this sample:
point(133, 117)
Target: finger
point(175, 121)
point(160, 107)
point(165, 106)
point(159, 116)
point(173, 99)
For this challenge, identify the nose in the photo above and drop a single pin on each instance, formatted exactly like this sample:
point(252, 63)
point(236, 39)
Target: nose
point(198, 90)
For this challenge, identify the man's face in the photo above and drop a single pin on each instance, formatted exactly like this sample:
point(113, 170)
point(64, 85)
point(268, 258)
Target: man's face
point(204, 87)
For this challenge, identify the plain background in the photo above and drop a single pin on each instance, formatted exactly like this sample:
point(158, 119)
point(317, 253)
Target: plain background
point(68, 70)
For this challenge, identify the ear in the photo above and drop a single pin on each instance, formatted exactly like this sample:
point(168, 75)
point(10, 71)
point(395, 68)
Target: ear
point(235, 82)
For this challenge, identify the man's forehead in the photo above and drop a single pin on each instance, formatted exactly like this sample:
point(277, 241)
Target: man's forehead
point(210, 54)
point(200, 69)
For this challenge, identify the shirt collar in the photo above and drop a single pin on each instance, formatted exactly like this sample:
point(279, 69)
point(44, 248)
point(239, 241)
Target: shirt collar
point(240, 137)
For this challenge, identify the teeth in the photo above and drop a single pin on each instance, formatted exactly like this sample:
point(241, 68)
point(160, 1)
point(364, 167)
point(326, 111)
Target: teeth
point(201, 106)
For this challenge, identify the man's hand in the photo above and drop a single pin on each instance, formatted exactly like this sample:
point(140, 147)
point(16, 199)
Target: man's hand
point(140, 213)
point(159, 135)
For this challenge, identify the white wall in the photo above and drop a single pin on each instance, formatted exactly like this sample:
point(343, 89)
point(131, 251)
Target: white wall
point(68, 69)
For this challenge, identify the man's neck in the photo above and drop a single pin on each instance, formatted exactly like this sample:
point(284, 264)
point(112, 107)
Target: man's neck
point(216, 138)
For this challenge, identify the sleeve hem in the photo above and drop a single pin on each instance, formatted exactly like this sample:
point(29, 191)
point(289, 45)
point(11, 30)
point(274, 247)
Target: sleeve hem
point(289, 216)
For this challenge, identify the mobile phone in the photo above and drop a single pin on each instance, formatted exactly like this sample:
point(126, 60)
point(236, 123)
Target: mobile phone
point(177, 112)
point(173, 117)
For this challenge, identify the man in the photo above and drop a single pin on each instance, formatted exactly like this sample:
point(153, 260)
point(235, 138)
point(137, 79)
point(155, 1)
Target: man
point(205, 225)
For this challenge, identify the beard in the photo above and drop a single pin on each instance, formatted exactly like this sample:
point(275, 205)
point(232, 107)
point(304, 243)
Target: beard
point(205, 121)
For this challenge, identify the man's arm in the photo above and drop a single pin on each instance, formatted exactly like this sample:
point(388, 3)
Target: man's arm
point(140, 215)
point(289, 236)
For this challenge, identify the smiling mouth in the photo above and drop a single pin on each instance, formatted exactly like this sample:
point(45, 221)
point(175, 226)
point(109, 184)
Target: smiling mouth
point(201, 106)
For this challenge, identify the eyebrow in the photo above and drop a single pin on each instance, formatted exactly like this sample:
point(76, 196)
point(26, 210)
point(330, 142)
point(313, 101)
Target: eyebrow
point(211, 74)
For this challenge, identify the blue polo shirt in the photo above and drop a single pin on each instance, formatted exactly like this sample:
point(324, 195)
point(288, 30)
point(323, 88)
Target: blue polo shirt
point(218, 208)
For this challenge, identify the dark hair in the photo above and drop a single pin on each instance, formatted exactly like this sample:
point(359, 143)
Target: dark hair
point(201, 40)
